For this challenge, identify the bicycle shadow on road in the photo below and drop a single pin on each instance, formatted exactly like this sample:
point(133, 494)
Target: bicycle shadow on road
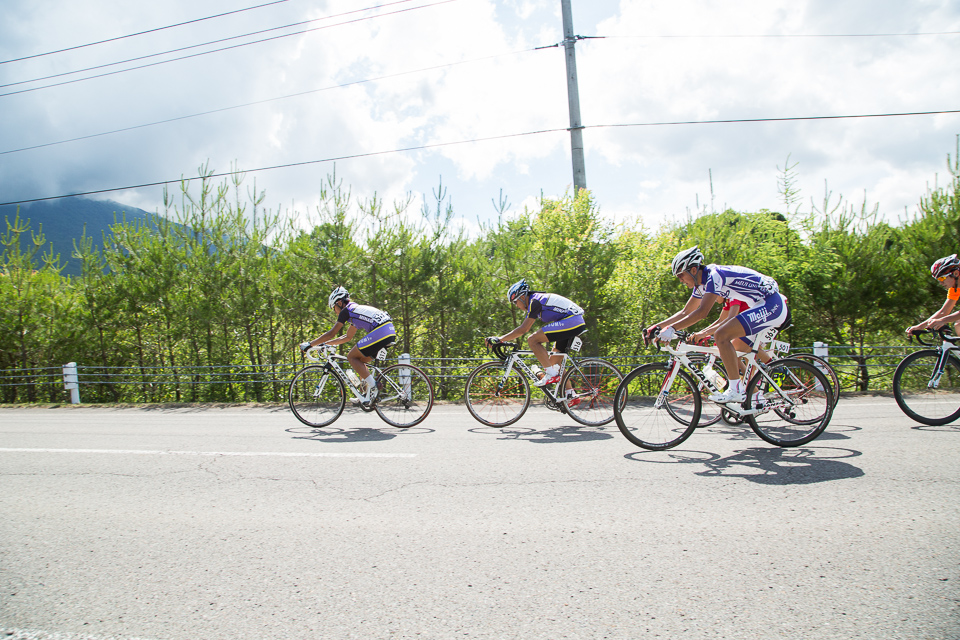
point(802, 465)
point(944, 428)
point(557, 435)
point(744, 432)
point(363, 434)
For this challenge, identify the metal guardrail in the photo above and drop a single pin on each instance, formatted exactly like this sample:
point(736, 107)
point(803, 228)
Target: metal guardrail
point(268, 383)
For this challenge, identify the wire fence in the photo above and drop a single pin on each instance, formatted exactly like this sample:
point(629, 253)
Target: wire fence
point(867, 368)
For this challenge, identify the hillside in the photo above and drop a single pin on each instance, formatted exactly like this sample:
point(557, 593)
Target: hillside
point(63, 222)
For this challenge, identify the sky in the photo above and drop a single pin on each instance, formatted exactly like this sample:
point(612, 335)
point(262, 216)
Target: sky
point(375, 76)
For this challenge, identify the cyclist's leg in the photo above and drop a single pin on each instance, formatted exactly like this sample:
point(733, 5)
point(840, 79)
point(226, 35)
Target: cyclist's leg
point(359, 362)
point(538, 344)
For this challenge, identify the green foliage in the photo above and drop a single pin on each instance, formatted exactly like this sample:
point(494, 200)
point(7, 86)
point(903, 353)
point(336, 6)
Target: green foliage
point(220, 281)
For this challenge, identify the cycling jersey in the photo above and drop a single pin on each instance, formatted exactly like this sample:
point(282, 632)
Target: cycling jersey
point(362, 316)
point(549, 307)
point(737, 283)
point(953, 294)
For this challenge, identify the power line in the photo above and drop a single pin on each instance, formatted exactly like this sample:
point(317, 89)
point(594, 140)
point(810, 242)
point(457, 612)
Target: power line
point(777, 35)
point(236, 46)
point(438, 145)
point(266, 100)
point(203, 44)
point(140, 33)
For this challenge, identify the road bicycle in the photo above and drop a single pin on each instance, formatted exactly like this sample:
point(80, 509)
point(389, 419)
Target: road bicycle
point(498, 392)
point(318, 392)
point(712, 366)
point(926, 383)
point(657, 406)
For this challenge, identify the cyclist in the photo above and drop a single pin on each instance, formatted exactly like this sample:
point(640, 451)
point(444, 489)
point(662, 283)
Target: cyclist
point(947, 272)
point(710, 284)
point(563, 321)
point(380, 334)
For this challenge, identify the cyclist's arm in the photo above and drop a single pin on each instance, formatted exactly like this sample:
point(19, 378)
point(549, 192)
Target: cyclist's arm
point(519, 331)
point(347, 337)
point(688, 308)
point(331, 334)
point(941, 315)
point(699, 313)
point(725, 315)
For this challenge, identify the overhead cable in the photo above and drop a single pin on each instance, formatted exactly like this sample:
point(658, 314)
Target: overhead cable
point(438, 145)
point(140, 33)
point(236, 46)
point(203, 44)
point(266, 100)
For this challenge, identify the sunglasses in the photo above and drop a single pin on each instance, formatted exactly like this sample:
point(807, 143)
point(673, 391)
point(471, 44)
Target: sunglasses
point(942, 278)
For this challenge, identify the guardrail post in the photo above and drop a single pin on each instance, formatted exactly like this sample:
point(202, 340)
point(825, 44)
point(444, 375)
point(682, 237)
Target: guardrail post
point(821, 350)
point(71, 382)
point(405, 373)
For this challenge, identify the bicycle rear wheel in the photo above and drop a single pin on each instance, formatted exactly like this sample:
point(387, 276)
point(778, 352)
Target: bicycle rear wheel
point(934, 406)
point(642, 421)
point(405, 395)
point(316, 396)
point(796, 413)
point(594, 383)
point(494, 400)
point(826, 369)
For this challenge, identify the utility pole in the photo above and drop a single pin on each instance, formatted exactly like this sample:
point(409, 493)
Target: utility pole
point(573, 98)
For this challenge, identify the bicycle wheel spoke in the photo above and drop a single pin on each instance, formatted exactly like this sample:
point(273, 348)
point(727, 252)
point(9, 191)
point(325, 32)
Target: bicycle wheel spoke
point(651, 424)
point(316, 397)
point(920, 395)
point(495, 400)
point(798, 403)
point(406, 395)
point(588, 393)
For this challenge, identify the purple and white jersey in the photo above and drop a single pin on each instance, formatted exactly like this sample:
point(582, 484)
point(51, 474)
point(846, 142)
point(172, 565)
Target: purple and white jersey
point(363, 317)
point(549, 307)
point(738, 283)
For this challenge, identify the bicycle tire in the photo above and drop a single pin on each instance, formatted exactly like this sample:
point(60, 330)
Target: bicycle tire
point(405, 395)
point(824, 367)
point(783, 424)
point(641, 421)
point(316, 396)
point(934, 408)
point(594, 383)
point(493, 401)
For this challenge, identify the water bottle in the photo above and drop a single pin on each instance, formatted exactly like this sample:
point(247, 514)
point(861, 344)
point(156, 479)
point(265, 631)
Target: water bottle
point(715, 378)
point(354, 379)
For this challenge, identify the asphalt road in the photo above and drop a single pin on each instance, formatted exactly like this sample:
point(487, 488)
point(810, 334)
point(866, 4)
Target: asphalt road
point(176, 524)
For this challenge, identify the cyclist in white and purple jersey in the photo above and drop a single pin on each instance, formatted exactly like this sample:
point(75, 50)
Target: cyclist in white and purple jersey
point(377, 324)
point(562, 319)
point(711, 284)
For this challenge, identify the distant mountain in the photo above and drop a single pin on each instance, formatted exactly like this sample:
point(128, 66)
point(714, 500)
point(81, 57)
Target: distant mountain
point(63, 222)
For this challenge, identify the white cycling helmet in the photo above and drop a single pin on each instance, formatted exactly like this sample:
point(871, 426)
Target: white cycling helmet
point(944, 266)
point(687, 259)
point(518, 289)
point(336, 295)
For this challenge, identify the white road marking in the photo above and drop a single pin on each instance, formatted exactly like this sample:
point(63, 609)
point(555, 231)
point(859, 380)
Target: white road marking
point(282, 454)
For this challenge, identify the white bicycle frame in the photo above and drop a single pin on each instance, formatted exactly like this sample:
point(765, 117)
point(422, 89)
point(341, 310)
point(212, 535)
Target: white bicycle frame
point(679, 358)
point(336, 366)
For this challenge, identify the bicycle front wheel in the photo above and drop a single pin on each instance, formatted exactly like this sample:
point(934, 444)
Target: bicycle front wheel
point(589, 388)
point(495, 400)
point(316, 396)
point(798, 411)
point(405, 395)
point(652, 416)
point(919, 397)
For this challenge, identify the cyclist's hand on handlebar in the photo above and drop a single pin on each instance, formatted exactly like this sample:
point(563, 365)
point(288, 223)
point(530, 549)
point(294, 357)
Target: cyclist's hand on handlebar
point(667, 334)
point(700, 339)
point(305, 346)
point(492, 340)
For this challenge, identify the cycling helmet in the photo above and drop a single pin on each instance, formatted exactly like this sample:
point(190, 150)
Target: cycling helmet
point(944, 265)
point(518, 289)
point(336, 295)
point(687, 259)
